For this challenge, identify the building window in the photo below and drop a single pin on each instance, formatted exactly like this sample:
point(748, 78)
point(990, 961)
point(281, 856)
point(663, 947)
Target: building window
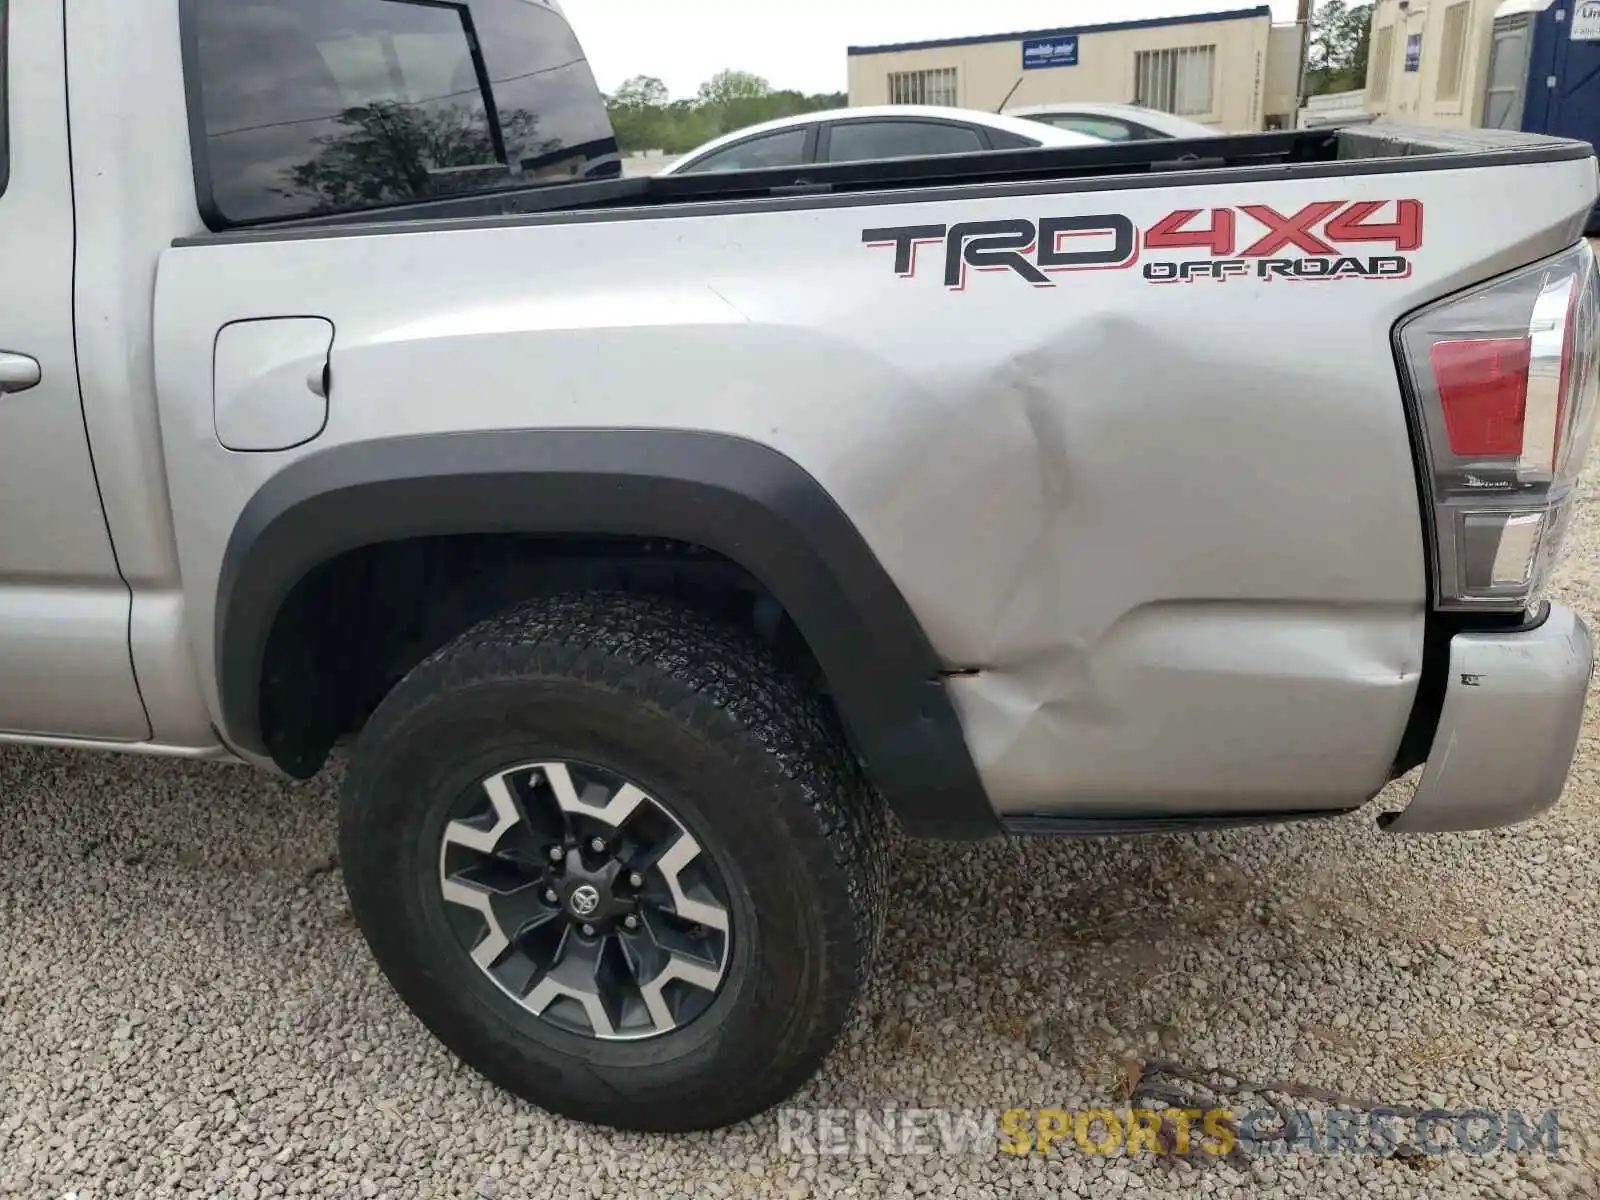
point(1452, 57)
point(1508, 65)
point(1382, 61)
point(1175, 81)
point(923, 87)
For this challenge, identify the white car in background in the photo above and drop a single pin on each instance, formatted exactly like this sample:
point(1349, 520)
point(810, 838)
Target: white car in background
point(1114, 122)
point(871, 132)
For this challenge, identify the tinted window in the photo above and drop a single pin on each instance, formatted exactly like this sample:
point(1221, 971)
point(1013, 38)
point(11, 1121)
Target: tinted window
point(317, 106)
point(854, 141)
point(1108, 128)
point(1004, 139)
point(784, 149)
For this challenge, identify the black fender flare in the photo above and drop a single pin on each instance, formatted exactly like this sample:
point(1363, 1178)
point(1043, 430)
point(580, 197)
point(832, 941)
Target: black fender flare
point(735, 497)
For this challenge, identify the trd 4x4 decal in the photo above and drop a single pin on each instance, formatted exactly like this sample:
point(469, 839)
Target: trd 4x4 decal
point(1247, 241)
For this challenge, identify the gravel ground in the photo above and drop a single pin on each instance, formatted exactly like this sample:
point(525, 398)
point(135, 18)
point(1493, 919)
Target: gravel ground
point(186, 1007)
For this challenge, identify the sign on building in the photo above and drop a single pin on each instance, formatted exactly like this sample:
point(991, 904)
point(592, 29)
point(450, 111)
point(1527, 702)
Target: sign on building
point(1053, 52)
point(1586, 21)
point(1413, 52)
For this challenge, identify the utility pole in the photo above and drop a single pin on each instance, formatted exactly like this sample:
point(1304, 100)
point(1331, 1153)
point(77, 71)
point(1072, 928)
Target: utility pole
point(1303, 16)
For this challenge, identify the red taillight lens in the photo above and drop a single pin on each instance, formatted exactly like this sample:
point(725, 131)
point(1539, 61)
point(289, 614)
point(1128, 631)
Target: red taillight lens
point(1483, 388)
point(1505, 378)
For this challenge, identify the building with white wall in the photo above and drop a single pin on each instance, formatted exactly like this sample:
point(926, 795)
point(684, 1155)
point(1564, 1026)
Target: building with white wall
point(1428, 61)
point(1235, 70)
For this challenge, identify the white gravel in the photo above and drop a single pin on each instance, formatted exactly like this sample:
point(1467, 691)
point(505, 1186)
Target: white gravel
point(186, 1007)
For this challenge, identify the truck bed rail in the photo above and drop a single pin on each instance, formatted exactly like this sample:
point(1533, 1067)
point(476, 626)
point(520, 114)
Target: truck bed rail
point(1301, 153)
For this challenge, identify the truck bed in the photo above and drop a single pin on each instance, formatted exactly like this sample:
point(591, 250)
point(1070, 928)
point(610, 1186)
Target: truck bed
point(1256, 157)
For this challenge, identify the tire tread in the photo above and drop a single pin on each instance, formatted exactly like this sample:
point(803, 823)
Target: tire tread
point(734, 693)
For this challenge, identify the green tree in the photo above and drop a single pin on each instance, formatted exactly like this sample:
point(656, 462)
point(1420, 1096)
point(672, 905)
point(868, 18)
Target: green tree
point(641, 91)
point(737, 99)
point(645, 119)
point(1336, 56)
point(638, 111)
point(733, 87)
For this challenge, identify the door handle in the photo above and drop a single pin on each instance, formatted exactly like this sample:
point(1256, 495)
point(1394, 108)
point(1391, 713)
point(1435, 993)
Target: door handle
point(18, 372)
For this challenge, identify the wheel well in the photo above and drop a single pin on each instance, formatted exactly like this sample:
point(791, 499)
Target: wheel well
point(353, 626)
point(416, 535)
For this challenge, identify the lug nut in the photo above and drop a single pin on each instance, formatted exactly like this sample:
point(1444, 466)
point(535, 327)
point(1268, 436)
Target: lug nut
point(588, 931)
point(557, 853)
point(635, 880)
point(598, 845)
point(550, 896)
point(631, 921)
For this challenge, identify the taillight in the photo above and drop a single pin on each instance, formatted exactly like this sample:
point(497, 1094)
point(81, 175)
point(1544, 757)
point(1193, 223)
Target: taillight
point(1505, 380)
point(1483, 389)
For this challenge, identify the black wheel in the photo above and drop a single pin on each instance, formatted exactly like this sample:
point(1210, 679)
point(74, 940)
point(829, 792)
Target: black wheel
point(618, 860)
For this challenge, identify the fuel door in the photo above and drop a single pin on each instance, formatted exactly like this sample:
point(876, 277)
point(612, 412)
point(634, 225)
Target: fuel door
point(269, 382)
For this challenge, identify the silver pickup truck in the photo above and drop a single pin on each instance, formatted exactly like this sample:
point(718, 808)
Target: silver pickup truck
point(656, 544)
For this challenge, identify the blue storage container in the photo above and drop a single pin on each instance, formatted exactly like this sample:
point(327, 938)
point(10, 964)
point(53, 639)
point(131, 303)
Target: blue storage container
point(1544, 71)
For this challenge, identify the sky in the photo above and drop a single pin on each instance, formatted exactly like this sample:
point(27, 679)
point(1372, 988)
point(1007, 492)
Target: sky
point(801, 43)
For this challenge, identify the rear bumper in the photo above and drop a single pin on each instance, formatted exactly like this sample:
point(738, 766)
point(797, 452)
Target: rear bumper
point(1508, 730)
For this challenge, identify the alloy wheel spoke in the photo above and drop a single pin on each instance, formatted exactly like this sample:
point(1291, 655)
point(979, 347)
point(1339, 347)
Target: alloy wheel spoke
point(697, 909)
point(575, 976)
point(614, 812)
point(473, 835)
point(680, 968)
point(517, 909)
point(610, 932)
point(494, 941)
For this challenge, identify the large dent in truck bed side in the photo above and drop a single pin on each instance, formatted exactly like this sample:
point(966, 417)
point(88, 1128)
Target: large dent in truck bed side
point(1201, 695)
point(1168, 535)
point(1199, 708)
point(1119, 458)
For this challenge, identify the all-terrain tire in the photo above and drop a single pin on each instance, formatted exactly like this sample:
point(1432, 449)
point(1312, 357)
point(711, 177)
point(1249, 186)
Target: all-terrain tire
point(702, 715)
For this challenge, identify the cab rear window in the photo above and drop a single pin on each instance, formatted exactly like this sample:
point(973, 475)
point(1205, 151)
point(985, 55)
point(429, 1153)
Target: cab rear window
point(307, 107)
